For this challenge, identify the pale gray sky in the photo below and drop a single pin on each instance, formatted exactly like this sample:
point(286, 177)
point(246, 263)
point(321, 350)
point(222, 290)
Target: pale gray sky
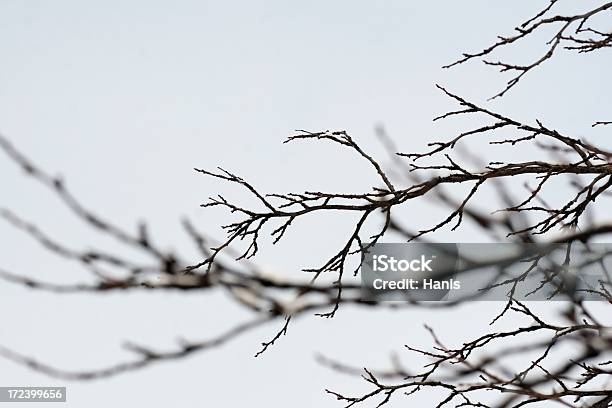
point(124, 98)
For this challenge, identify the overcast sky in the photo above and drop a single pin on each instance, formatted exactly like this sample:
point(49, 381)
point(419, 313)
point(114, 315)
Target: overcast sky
point(124, 98)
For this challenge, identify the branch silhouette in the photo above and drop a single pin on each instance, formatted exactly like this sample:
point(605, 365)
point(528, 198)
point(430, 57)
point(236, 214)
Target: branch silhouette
point(476, 373)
